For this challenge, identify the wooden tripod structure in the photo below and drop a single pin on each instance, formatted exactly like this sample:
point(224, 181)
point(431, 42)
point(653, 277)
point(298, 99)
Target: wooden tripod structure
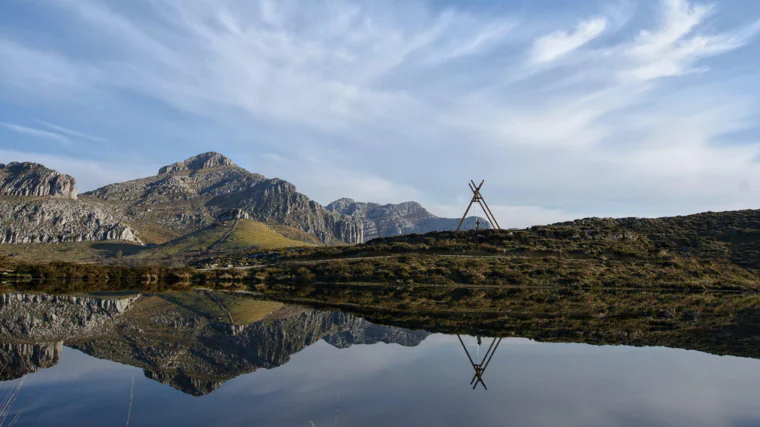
point(480, 368)
point(477, 197)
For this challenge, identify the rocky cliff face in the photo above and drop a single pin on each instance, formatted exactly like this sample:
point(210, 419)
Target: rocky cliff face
point(57, 221)
point(190, 195)
point(34, 179)
point(394, 220)
point(39, 205)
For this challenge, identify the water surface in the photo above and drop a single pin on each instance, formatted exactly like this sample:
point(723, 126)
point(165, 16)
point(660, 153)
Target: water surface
point(200, 359)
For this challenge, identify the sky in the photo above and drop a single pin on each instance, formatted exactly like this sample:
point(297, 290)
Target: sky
point(565, 109)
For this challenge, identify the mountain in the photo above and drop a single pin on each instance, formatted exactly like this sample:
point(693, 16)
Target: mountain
point(403, 218)
point(39, 205)
point(188, 196)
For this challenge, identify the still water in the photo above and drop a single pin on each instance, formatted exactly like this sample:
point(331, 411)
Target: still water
point(201, 359)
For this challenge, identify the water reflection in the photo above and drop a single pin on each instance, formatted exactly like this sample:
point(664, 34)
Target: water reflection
point(262, 362)
point(192, 341)
point(480, 368)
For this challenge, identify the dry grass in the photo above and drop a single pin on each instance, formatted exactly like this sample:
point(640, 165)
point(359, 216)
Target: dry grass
point(220, 238)
point(71, 252)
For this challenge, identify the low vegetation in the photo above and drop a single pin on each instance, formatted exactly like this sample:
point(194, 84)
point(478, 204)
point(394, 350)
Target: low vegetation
point(710, 250)
point(704, 251)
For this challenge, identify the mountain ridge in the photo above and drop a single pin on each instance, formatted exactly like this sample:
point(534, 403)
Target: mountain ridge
point(41, 205)
point(390, 219)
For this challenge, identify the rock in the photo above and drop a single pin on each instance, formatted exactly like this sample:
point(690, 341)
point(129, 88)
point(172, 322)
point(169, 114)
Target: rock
point(39, 205)
point(34, 179)
point(395, 220)
point(60, 220)
point(234, 214)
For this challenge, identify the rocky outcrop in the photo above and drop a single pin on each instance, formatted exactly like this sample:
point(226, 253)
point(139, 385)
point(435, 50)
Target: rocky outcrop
point(234, 214)
point(202, 161)
point(395, 220)
point(51, 220)
point(190, 195)
point(39, 205)
point(34, 179)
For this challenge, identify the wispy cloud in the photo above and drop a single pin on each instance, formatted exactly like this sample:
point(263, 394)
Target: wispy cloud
point(676, 45)
point(74, 133)
point(37, 133)
point(552, 46)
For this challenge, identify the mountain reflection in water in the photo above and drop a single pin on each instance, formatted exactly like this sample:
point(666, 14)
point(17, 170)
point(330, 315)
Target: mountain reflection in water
point(197, 341)
point(187, 340)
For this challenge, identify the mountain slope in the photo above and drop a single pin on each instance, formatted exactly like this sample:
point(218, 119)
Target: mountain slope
point(187, 196)
point(395, 220)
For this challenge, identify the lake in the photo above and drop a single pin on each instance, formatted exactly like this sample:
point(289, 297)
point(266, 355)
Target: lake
point(213, 358)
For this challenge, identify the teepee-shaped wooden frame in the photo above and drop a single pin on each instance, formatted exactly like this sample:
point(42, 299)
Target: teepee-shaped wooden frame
point(477, 197)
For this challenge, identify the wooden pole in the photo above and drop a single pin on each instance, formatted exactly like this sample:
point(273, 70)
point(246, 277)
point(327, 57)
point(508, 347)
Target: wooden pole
point(476, 192)
point(477, 197)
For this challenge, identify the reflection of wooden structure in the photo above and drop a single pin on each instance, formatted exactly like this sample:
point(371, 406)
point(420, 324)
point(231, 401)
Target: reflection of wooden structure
point(480, 368)
point(477, 197)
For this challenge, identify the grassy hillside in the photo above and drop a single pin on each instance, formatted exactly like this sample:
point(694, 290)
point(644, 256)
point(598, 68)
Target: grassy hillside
point(220, 238)
point(710, 250)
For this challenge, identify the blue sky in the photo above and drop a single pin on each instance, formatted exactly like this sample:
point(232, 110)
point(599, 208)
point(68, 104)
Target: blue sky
point(566, 109)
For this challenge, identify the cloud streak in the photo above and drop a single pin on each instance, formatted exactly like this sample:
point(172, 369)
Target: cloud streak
point(73, 133)
point(37, 133)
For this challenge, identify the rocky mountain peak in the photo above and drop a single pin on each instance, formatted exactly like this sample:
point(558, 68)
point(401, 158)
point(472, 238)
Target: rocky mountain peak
point(34, 179)
point(201, 161)
point(341, 205)
point(278, 185)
